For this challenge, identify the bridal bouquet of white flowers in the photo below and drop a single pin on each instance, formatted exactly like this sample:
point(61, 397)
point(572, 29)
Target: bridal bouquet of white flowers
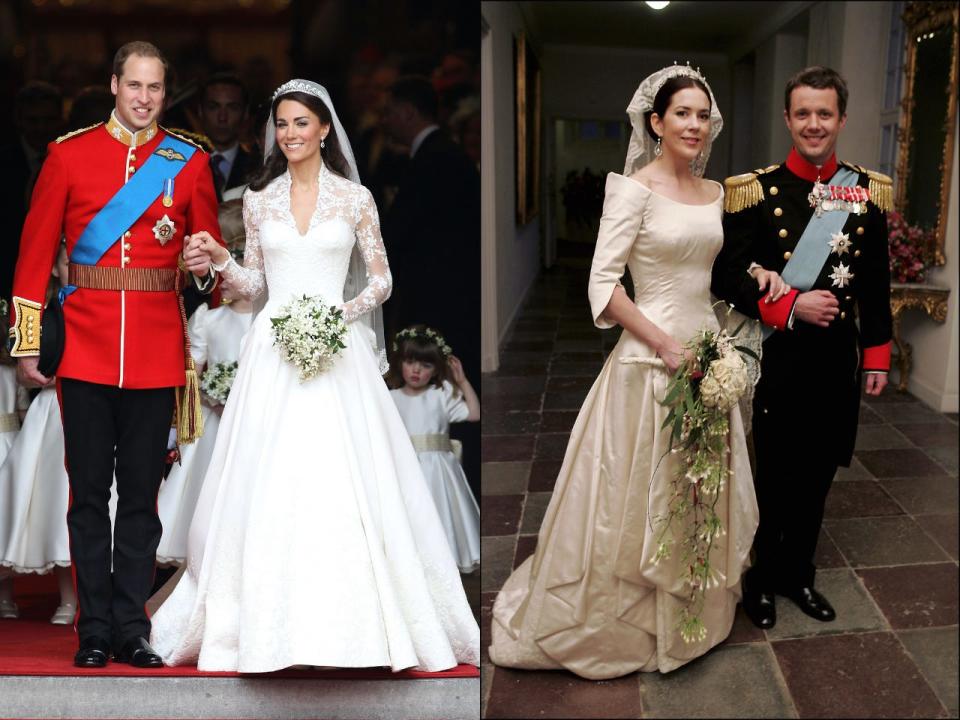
point(217, 381)
point(700, 396)
point(310, 334)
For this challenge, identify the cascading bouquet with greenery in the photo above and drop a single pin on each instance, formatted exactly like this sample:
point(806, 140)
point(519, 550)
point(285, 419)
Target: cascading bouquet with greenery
point(310, 334)
point(217, 381)
point(700, 396)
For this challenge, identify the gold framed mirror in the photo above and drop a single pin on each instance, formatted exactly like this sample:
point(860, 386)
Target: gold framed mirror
point(925, 152)
point(527, 130)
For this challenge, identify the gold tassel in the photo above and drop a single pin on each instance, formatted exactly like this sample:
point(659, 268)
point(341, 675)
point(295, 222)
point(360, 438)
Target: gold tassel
point(189, 417)
point(881, 190)
point(188, 420)
point(742, 191)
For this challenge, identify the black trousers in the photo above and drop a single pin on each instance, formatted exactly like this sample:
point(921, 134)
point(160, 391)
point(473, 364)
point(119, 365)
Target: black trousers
point(109, 430)
point(792, 480)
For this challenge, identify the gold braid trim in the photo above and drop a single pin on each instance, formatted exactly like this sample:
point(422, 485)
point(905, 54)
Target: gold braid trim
point(741, 192)
point(189, 420)
point(881, 190)
point(77, 132)
point(198, 140)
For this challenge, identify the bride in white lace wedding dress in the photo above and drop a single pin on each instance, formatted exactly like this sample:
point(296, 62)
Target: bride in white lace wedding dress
point(315, 540)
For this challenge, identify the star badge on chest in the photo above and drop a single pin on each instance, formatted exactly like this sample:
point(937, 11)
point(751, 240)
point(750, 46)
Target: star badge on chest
point(164, 229)
point(839, 243)
point(841, 275)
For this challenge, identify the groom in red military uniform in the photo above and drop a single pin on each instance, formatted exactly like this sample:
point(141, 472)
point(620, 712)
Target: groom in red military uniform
point(124, 195)
point(822, 225)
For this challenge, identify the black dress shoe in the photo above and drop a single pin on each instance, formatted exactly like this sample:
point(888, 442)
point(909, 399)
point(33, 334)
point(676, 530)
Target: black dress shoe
point(137, 652)
point(761, 608)
point(93, 653)
point(811, 603)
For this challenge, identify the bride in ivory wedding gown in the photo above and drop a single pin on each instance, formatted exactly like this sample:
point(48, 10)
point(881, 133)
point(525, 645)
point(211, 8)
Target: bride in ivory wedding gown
point(594, 598)
point(315, 540)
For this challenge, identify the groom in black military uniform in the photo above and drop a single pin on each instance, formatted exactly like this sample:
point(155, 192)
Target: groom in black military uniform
point(822, 225)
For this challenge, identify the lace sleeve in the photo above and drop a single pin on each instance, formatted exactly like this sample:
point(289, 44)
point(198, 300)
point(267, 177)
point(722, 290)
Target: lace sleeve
point(370, 244)
point(249, 280)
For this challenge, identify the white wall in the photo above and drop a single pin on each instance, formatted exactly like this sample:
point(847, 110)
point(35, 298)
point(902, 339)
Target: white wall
point(518, 247)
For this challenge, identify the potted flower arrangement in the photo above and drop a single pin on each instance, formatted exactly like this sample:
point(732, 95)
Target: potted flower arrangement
point(908, 250)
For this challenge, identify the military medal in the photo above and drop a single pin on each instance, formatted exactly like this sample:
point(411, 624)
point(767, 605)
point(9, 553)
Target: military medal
point(816, 197)
point(164, 229)
point(168, 192)
point(839, 243)
point(824, 198)
point(841, 275)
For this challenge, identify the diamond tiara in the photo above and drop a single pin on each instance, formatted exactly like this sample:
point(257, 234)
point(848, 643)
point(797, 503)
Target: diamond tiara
point(297, 86)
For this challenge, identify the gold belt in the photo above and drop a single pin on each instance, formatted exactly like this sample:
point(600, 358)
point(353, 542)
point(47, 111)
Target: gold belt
point(96, 277)
point(9, 422)
point(431, 443)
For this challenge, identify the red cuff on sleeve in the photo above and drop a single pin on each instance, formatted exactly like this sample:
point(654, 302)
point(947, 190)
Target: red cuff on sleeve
point(877, 357)
point(777, 313)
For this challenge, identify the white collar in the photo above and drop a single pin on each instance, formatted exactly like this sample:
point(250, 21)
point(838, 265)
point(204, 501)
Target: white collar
point(421, 136)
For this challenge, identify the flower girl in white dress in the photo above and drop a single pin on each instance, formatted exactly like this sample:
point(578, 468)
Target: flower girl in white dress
point(315, 540)
point(429, 402)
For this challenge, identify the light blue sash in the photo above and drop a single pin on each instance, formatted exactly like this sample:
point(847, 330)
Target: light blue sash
point(812, 250)
point(129, 203)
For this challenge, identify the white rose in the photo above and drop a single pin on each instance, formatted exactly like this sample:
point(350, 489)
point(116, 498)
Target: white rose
point(710, 389)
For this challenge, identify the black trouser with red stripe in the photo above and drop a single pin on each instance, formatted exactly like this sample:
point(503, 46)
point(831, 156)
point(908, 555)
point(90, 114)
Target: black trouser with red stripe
point(111, 430)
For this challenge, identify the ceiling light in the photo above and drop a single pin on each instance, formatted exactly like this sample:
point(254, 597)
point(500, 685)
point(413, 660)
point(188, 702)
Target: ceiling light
point(658, 5)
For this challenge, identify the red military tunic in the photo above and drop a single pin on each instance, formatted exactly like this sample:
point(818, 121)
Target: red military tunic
point(129, 339)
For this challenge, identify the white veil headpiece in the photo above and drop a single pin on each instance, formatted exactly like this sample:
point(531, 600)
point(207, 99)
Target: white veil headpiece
point(357, 273)
point(641, 145)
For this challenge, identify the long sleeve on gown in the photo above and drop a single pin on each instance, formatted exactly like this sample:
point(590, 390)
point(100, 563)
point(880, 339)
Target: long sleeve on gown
point(619, 225)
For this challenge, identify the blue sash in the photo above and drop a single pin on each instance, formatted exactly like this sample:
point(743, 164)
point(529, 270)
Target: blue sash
point(813, 248)
point(129, 203)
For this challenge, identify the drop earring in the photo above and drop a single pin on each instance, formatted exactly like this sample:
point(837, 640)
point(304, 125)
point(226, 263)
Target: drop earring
point(658, 151)
point(322, 146)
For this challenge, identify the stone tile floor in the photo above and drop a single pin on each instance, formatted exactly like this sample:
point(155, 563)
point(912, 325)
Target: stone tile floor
point(887, 553)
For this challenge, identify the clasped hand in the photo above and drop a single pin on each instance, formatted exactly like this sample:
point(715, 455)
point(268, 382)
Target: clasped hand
point(200, 250)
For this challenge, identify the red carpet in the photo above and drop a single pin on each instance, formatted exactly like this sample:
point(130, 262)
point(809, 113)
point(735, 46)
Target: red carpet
point(32, 646)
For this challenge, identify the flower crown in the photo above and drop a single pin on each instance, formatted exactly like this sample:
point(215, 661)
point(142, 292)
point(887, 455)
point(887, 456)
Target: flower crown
point(297, 86)
point(427, 334)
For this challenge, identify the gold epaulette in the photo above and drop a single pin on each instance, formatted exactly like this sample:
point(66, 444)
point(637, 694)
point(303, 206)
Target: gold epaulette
point(741, 192)
point(74, 133)
point(198, 140)
point(881, 190)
